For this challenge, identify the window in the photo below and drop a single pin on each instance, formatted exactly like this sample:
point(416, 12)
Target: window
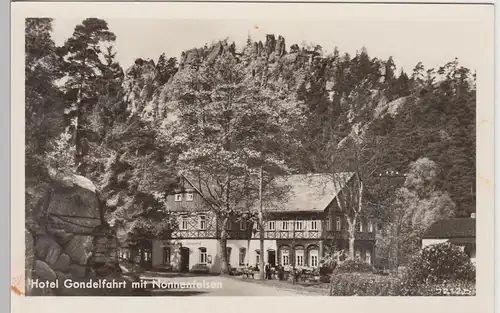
point(184, 223)
point(338, 223)
point(178, 197)
point(203, 222)
point(257, 225)
point(271, 225)
point(299, 225)
point(189, 195)
point(147, 255)
point(243, 224)
point(368, 257)
point(358, 254)
point(228, 225)
point(327, 224)
point(203, 255)
point(359, 226)
point(166, 255)
point(314, 225)
point(257, 257)
point(285, 257)
point(243, 253)
point(299, 256)
point(284, 225)
point(313, 257)
point(228, 254)
point(370, 227)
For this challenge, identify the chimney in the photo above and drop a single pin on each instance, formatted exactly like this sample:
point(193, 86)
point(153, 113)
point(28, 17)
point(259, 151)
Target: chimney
point(473, 215)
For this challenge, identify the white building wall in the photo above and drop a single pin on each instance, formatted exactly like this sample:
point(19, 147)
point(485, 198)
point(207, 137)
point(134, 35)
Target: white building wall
point(255, 245)
point(236, 245)
point(194, 253)
point(428, 242)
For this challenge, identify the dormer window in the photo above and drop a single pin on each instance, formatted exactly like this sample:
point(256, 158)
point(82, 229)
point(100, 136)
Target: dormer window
point(243, 224)
point(178, 197)
point(189, 195)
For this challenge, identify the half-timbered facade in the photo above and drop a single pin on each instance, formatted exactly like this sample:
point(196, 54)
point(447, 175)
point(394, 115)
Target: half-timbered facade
point(305, 227)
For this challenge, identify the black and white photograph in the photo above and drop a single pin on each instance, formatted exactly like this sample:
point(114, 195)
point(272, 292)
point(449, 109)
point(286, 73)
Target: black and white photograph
point(252, 157)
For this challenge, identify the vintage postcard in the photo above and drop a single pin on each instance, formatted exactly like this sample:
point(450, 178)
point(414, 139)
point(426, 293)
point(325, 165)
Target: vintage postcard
point(329, 153)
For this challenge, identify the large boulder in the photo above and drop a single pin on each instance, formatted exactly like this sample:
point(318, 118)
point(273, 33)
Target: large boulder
point(64, 231)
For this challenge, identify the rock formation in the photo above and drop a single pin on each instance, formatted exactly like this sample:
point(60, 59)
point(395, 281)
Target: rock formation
point(67, 237)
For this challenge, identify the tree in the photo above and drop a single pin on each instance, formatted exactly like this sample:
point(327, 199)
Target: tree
point(138, 169)
point(350, 165)
point(44, 104)
point(226, 127)
point(417, 206)
point(418, 77)
point(390, 72)
point(165, 69)
point(85, 70)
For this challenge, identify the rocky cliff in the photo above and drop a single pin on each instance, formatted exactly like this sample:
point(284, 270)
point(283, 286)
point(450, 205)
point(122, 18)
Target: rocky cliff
point(66, 235)
point(347, 96)
point(296, 67)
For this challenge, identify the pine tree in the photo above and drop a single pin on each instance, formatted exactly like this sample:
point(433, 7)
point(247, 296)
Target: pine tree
point(165, 69)
point(85, 72)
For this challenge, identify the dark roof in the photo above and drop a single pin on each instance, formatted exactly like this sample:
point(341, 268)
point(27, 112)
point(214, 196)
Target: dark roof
point(452, 228)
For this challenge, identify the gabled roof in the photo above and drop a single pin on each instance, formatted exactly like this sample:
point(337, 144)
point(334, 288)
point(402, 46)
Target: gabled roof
point(305, 192)
point(311, 192)
point(452, 228)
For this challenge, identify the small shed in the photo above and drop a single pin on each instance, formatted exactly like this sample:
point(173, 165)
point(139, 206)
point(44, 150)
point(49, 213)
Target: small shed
point(458, 231)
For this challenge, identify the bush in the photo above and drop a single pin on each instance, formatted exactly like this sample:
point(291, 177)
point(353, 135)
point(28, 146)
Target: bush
point(364, 284)
point(354, 266)
point(439, 263)
point(200, 269)
point(455, 288)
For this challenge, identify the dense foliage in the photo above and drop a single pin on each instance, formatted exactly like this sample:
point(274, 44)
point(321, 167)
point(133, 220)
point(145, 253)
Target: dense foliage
point(364, 284)
point(43, 100)
point(440, 263)
point(354, 266)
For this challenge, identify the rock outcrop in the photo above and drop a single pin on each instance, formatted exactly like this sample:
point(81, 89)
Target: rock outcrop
point(67, 237)
point(268, 62)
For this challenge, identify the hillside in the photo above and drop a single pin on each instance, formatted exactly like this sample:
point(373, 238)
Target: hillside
point(429, 114)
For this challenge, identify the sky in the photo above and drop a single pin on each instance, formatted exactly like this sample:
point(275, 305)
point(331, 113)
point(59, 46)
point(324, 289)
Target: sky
point(432, 42)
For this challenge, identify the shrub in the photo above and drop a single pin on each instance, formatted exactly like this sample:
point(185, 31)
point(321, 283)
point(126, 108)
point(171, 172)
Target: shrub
point(354, 266)
point(200, 268)
point(455, 288)
point(438, 263)
point(364, 284)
